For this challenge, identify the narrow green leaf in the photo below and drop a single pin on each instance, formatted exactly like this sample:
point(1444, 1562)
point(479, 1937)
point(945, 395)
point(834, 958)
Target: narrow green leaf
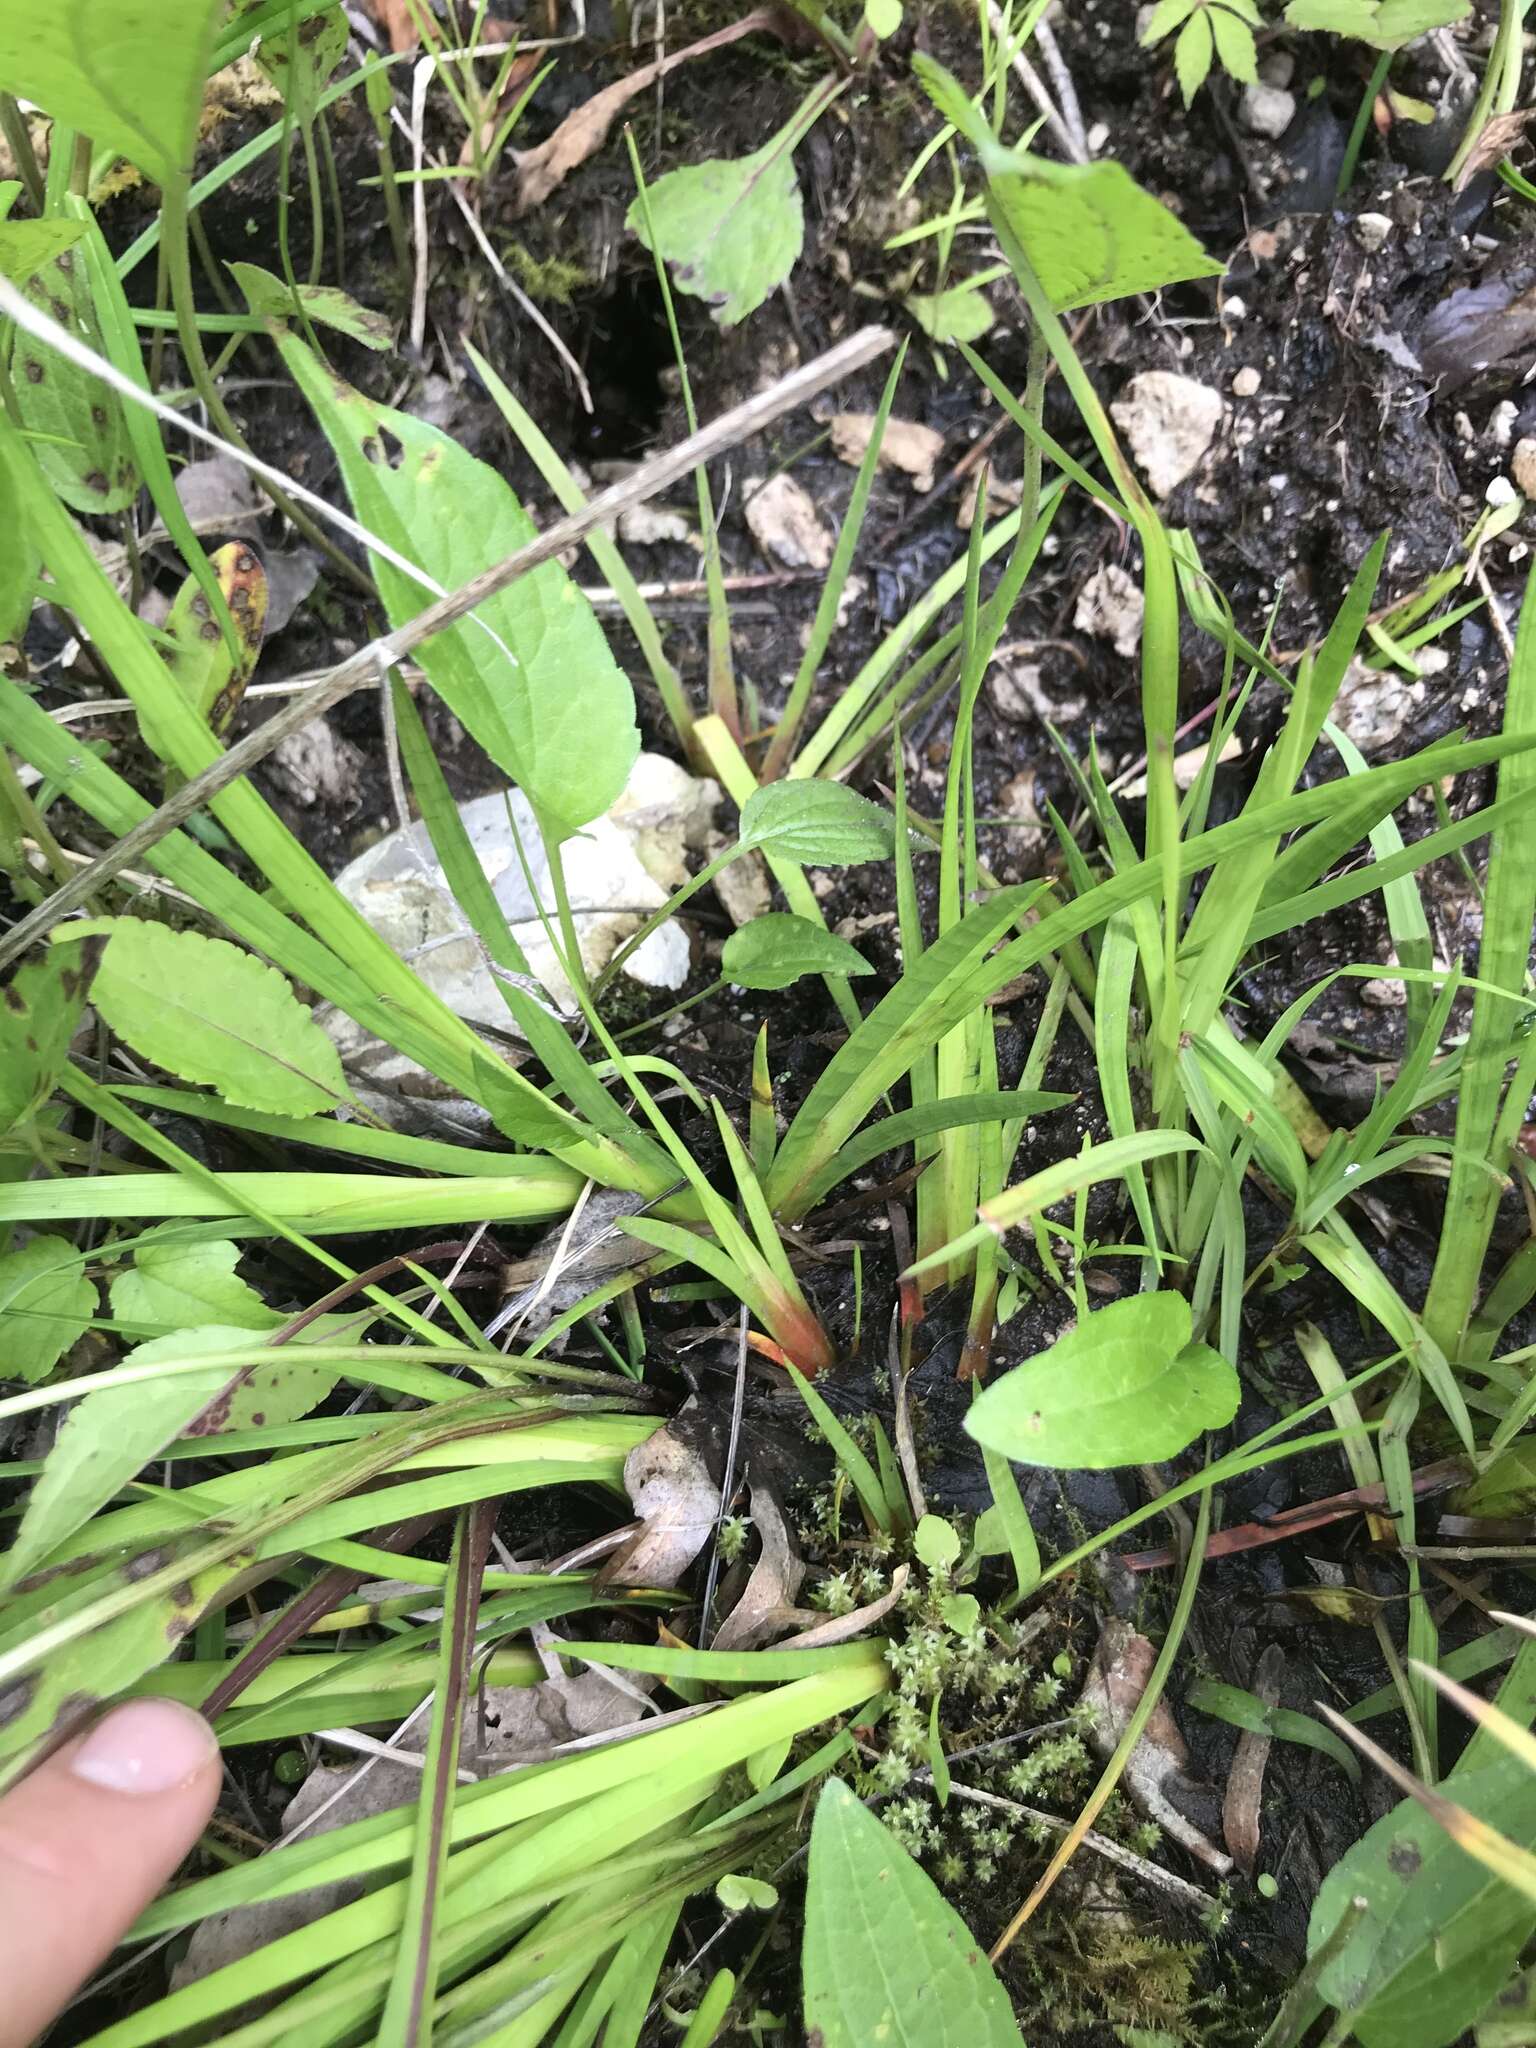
point(1241, 1709)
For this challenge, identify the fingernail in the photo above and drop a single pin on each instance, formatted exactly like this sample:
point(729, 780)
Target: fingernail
point(145, 1747)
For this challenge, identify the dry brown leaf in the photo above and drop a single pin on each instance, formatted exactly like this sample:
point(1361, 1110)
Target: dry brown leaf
point(782, 517)
point(775, 1580)
point(670, 1488)
point(1158, 1776)
point(907, 445)
point(1495, 139)
point(1244, 1799)
point(395, 19)
point(843, 1627)
point(581, 133)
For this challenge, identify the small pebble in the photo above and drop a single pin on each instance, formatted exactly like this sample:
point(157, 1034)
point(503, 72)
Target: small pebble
point(1097, 137)
point(1500, 492)
point(1234, 308)
point(1523, 466)
point(1266, 110)
point(1246, 383)
point(1372, 229)
point(1501, 422)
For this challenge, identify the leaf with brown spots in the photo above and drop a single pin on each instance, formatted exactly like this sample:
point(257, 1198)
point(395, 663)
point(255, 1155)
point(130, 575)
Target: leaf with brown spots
point(210, 674)
point(40, 1009)
point(269, 295)
point(108, 1438)
point(81, 436)
point(1440, 1934)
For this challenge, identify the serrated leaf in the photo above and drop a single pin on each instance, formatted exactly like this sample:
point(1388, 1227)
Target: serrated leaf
point(730, 229)
point(1165, 17)
point(211, 1013)
point(1192, 54)
point(1125, 1387)
point(81, 437)
point(1235, 46)
point(1384, 24)
point(540, 692)
point(961, 1612)
point(267, 294)
point(936, 1543)
point(822, 824)
point(1089, 230)
point(46, 1304)
point(1440, 1934)
point(886, 1958)
point(778, 948)
point(108, 1438)
point(40, 1008)
point(174, 1285)
point(962, 313)
point(128, 73)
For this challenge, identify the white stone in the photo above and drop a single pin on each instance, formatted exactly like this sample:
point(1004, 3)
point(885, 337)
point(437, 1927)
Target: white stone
point(1500, 492)
point(1246, 383)
point(1373, 706)
point(1266, 110)
point(1278, 69)
point(645, 526)
point(1111, 606)
point(1170, 422)
point(1372, 229)
point(1233, 308)
point(1501, 422)
point(618, 868)
point(1382, 994)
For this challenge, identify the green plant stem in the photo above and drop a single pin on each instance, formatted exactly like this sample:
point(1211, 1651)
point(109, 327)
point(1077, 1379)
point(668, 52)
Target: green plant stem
point(176, 243)
point(18, 139)
point(29, 819)
point(80, 167)
point(1356, 142)
point(316, 202)
point(1501, 82)
point(211, 268)
point(662, 1016)
point(333, 189)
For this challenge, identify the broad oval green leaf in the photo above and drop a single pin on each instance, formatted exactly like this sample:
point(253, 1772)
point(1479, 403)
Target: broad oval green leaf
point(540, 690)
point(886, 1958)
point(209, 1012)
point(46, 1304)
point(962, 313)
point(822, 824)
point(39, 1010)
point(1090, 231)
point(128, 73)
point(1440, 1934)
point(778, 948)
point(1125, 1387)
point(730, 229)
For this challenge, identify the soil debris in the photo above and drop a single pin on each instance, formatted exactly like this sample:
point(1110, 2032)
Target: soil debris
point(1170, 422)
point(785, 524)
point(907, 445)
